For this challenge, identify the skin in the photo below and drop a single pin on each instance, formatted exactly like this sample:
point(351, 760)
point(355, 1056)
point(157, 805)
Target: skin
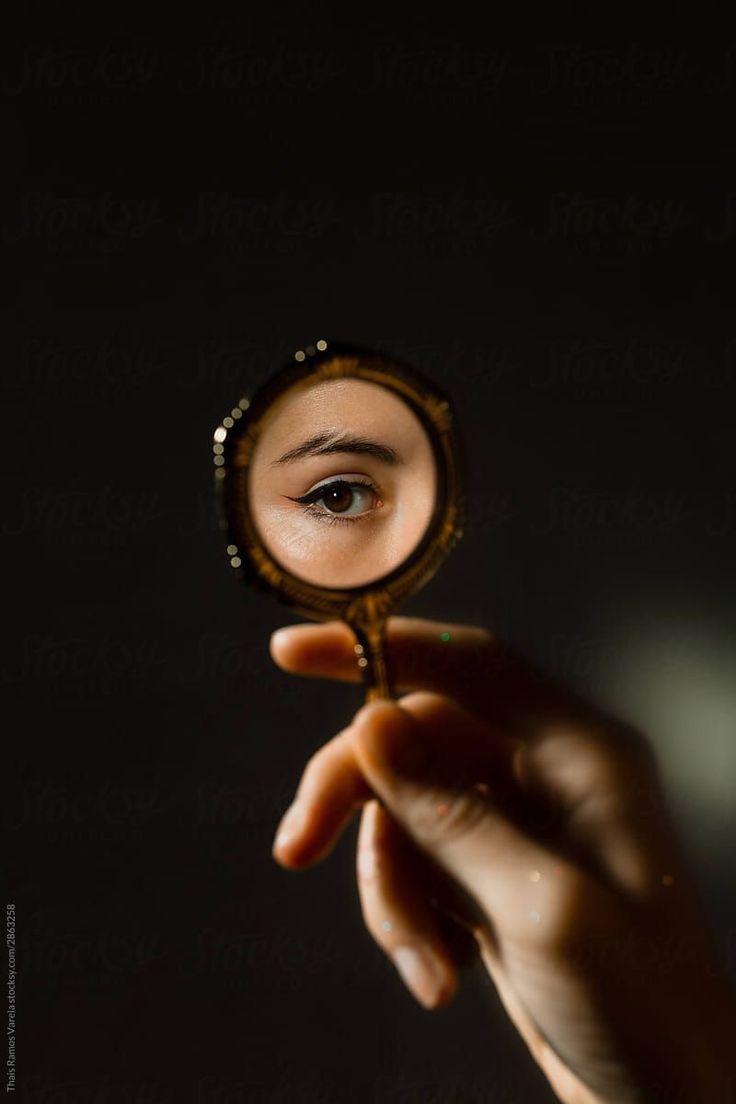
point(503, 816)
point(370, 529)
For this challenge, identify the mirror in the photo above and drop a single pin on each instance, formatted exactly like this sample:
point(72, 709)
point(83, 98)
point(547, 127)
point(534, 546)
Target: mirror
point(339, 487)
point(342, 483)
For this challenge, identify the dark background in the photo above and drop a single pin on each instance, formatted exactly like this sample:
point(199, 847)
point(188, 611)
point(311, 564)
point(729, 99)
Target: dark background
point(542, 225)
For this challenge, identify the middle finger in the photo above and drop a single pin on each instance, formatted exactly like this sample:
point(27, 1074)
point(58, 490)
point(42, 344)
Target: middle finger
point(333, 785)
point(397, 911)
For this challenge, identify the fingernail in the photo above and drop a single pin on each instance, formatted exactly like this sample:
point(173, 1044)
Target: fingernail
point(290, 826)
point(421, 972)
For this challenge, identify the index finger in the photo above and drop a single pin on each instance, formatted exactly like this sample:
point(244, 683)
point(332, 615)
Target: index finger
point(423, 655)
point(464, 662)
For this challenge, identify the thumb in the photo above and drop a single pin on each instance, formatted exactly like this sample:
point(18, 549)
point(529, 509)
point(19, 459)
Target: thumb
point(448, 779)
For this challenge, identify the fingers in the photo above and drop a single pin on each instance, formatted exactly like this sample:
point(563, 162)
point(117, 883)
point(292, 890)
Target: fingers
point(595, 777)
point(422, 655)
point(331, 788)
point(423, 757)
point(397, 911)
point(464, 662)
point(420, 756)
point(334, 784)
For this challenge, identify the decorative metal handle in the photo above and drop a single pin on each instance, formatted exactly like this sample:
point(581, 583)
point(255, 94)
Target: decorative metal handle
point(367, 617)
point(371, 659)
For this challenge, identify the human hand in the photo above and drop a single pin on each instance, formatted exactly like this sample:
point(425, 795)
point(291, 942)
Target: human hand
point(541, 826)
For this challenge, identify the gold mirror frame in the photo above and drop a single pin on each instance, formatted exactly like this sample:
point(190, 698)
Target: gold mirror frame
point(365, 608)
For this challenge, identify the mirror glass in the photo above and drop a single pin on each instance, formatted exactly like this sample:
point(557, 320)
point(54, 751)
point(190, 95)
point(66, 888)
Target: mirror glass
point(342, 482)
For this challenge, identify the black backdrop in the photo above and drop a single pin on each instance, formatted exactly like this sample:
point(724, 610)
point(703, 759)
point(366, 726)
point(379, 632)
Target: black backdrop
point(541, 227)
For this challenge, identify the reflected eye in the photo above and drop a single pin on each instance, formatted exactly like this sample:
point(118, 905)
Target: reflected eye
point(340, 500)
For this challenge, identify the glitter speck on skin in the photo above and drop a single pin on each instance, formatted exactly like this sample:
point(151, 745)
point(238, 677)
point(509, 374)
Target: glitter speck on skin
point(444, 636)
point(534, 875)
point(534, 916)
point(387, 925)
point(667, 880)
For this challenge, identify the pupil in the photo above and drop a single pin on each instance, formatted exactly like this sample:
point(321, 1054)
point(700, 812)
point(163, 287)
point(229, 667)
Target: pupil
point(339, 497)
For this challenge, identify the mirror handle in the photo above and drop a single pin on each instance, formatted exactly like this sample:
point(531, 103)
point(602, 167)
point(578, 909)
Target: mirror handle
point(370, 645)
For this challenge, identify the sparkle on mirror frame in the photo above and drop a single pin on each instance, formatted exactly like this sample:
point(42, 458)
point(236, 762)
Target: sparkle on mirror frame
point(228, 423)
point(358, 649)
point(235, 561)
point(236, 412)
point(218, 449)
point(219, 460)
point(321, 345)
point(362, 662)
point(244, 404)
point(300, 355)
point(220, 473)
point(232, 550)
point(220, 433)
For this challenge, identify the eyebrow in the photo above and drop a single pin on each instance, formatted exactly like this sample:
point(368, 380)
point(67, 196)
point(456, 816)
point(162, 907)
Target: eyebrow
point(322, 443)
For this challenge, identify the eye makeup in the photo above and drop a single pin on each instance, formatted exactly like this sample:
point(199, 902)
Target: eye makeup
point(338, 492)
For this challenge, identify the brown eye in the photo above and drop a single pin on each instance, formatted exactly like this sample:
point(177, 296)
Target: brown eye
point(341, 497)
point(338, 497)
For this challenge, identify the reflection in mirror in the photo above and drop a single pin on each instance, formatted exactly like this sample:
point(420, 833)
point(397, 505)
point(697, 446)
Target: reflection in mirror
point(342, 483)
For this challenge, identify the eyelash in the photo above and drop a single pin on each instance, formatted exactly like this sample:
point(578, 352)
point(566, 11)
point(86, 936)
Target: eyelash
point(314, 511)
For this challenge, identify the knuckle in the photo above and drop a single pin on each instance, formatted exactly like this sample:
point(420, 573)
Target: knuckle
point(444, 815)
point(622, 769)
point(622, 748)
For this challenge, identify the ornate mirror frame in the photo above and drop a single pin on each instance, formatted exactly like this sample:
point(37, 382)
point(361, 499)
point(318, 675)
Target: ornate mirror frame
point(365, 608)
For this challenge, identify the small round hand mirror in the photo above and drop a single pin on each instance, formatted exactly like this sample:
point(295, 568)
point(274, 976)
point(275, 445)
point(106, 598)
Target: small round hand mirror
point(340, 488)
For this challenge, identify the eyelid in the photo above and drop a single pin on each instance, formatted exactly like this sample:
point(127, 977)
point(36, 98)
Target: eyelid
point(333, 519)
point(363, 480)
point(311, 508)
point(315, 492)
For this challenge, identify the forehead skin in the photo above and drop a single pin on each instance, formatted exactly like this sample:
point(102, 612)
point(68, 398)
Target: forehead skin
point(363, 408)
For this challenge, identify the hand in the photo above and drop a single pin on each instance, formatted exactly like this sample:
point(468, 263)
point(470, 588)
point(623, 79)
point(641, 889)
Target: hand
point(494, 797)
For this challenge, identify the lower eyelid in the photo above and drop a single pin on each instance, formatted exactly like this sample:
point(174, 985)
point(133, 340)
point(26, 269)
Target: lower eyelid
point(332, 519)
